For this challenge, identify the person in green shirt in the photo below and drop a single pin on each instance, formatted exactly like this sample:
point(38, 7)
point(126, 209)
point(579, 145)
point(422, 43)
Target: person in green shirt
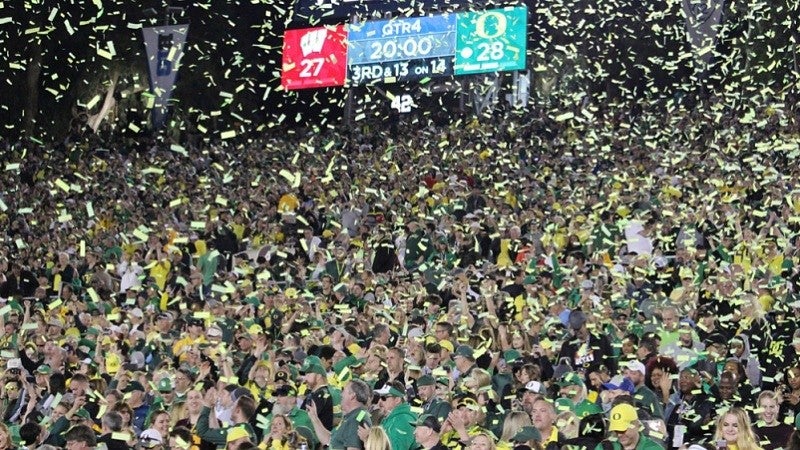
point(624, 424)
point(429, 399)
point(573, 388)
point(286, 404)
point(240, 417)
point(642, 394)
point(398, 420)
point(346, 436)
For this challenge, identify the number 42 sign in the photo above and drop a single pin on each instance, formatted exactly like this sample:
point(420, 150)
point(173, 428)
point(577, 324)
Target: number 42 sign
point(403, 103)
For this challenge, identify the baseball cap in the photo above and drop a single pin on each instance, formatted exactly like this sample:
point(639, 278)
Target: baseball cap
point(389, 391)
point(427, 420)
point(527, 433)
point(426, 380)
point(466, 351)
point(622, 416)
point(576, 319)
point(511, 355)
point(716, 338)
point(636, 366)
point(535, 387)
point(569, 379)
point(469, 401)
point(284, 391)
point(165, 385)
point(14, 363)
point(236, 433)
point(83, 414)
point(214, 332)
point(620, 383)
point(193, 321)
point(150, 438)
point(134, 386)
point(312, 367)
point(240, 392)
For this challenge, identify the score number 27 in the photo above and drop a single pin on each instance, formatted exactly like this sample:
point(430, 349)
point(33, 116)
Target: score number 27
point(311, 67)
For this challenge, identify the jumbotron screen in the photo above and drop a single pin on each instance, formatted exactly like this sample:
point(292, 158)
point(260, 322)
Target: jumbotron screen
point(405, 49)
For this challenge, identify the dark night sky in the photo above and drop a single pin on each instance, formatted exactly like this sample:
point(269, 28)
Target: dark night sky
point(230, 71)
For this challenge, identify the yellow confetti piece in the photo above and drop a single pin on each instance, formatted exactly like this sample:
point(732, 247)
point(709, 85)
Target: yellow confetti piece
point(93, 295)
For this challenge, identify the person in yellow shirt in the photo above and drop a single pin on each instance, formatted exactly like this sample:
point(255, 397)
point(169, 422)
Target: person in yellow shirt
point(543, 416)
point(735, 429)
point(195, 336)
point(288, 203)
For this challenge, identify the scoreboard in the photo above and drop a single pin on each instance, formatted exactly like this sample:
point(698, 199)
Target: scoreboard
point(406, 49)
point(401, 50)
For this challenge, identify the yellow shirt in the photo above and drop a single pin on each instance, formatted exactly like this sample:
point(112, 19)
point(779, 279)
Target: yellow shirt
point(288, 203)
point(180, 347)
point(160, 273)
point(553, 437)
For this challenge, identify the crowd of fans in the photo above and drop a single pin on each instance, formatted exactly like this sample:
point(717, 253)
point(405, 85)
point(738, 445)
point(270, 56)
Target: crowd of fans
point(622, 277)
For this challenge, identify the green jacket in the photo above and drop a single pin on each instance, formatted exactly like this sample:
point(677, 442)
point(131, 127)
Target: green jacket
point(649, 401)
point(218, 436)
point(399, 427)
point(438, 408)
point(346, 433)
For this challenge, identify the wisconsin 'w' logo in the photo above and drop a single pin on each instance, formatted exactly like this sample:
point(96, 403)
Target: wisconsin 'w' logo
point(312, 41)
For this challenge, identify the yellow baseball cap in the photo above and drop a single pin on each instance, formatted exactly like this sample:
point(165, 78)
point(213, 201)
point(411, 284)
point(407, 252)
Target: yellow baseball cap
point(622, 416)
point(444, 343)
point(236, 433)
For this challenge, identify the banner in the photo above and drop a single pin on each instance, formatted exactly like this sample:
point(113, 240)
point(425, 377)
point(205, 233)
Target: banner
point(164, 46)
point(702, 24)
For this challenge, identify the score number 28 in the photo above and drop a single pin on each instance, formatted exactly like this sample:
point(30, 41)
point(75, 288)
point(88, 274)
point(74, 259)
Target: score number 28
point(489, 26)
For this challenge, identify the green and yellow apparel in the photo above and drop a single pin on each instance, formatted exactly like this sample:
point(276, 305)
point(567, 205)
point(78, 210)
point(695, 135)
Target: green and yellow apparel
point(180, 346)
point(621, 418)
point(435, 407)
point(219, 436)
point(346, 433)
point(582, 408)
point(586, 408)
point(553, 438)
point(399, 423)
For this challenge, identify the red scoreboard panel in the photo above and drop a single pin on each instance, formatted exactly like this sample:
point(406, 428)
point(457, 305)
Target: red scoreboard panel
point(314, 57)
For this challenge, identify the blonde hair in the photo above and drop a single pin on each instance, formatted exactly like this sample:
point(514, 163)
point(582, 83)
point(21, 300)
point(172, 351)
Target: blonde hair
point(772, 395)
point(568, 424)
point(481, 377)
point(377, 440)
point(514, 421)
point(746, 439)
point(492, 444)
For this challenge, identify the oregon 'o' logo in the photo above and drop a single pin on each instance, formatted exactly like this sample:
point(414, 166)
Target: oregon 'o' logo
point(616, 416)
